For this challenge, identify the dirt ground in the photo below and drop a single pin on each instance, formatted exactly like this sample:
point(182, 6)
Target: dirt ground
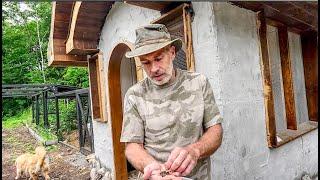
point(65, 163)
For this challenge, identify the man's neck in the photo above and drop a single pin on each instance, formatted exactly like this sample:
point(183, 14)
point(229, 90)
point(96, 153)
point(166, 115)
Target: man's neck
point(173, 77)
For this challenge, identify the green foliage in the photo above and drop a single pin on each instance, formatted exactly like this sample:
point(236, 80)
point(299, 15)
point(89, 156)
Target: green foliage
point(18, 120)
point(68, 117)
point(76, 77)
point(25, 38)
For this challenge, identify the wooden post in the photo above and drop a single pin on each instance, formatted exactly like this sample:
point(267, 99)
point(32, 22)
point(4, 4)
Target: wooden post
point(91, 125)
point(79, 117)
point(45, 109)
point(310, 64)
point(32, 108)
point(267, 86)
point(37, 110)
point(57, 114)
point(286, 67)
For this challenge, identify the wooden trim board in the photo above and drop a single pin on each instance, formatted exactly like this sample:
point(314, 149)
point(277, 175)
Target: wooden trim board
point(267, 85)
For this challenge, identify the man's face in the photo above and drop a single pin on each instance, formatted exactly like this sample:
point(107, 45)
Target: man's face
point(159, 65)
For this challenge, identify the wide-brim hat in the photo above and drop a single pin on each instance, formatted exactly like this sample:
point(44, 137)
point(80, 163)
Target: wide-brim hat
point(151, 38)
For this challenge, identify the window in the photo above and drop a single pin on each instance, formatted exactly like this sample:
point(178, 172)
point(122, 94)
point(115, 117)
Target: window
point(289, 67)
point(97, 87)
point(178, 22)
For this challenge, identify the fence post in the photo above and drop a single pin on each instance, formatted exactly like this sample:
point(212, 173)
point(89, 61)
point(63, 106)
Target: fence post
point(57, 113)
point(37, 109)
point(79, 119)
point(45, 109)
point(32, 108)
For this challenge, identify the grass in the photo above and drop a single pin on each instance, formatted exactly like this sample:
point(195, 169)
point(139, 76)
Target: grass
point(25, 117)
point(18, 120)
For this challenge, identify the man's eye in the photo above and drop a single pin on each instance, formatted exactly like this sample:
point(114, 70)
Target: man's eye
point(158, 59)
point(145, 63)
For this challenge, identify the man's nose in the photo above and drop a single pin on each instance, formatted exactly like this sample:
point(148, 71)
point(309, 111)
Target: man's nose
point(154, 67)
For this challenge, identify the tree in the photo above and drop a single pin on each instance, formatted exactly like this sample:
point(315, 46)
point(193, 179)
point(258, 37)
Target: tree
point(24, 46)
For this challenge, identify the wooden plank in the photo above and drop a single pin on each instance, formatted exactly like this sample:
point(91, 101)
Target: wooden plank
point(287, 77)
point(278, 24)
point(309, 7)
point(169, 16)
point(75, 11)
point(295, 13)
point(66, 63)
point(188, 38)
point(310, 64)
point(160, 5)
point(94, 85)
point(267, 85)
point(116, 112)
point(98, 83)
point(289, 135)
point(102, 89)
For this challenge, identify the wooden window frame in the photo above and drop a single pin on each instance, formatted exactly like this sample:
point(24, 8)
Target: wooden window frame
point(97, 88)
point(185, 10)
point(309, 52)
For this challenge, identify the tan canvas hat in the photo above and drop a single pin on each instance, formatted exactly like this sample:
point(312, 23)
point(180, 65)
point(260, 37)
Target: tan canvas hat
point(151, 38)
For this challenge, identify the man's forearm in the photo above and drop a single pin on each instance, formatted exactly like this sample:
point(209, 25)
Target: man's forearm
point(209, 142)
point(138, 156)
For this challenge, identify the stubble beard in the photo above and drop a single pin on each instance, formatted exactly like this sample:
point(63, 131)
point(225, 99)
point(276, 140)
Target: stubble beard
point(166, 79)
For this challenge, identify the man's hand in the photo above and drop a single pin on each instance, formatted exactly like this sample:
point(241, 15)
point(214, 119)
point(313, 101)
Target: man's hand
point(183, 160)
point(153, 172)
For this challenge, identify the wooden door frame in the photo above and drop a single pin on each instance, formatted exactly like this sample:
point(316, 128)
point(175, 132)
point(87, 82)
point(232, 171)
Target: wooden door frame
point(114, 86)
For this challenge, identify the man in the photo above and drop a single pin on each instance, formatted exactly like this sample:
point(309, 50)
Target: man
point(171, 121)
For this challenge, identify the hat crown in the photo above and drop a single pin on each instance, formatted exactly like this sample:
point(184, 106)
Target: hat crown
point(151, 34)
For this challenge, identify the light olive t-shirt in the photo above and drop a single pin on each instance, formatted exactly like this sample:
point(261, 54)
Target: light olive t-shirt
point(171, 115)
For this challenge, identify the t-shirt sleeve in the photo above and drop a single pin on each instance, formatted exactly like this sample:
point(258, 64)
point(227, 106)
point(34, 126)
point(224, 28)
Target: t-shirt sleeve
point(211, 111)
point(132, 125)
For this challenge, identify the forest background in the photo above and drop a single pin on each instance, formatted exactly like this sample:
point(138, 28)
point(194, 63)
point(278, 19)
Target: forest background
point(25, 36)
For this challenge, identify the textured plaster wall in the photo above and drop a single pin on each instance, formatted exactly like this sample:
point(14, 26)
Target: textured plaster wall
point(119, 26)
point(298, 74)
point(226, 48)
point(276, 77)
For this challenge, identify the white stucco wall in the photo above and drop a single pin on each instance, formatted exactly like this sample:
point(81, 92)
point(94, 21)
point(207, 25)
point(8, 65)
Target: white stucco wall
point(226, 48)
point(119, 26)
point(276, 77)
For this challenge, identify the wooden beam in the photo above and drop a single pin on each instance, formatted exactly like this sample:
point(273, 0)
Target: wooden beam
point(169, 16)
point(287, 77)
point(267, 85)
point(159, 5)
point(310, 64)
point(75, 11)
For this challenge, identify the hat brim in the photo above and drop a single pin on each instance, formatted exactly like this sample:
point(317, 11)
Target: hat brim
point(153, 47)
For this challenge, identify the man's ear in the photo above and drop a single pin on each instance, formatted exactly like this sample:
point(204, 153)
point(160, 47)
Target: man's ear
point(173, 51)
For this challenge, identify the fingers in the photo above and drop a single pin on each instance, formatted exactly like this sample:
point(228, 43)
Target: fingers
point(174, 154)
point(171, 177)
point(184, 164)
point(188, 170)
point(149, 170)
point(176, 173)
point(178, 161)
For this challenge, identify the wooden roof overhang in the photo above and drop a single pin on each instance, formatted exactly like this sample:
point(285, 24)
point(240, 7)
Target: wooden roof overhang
point(75, 31)
point(86, 24)
point(162, 6)
point(299, 16)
